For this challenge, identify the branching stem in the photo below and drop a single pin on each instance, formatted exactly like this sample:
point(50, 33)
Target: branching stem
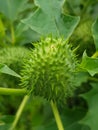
point(19, 112)
point(12, 91)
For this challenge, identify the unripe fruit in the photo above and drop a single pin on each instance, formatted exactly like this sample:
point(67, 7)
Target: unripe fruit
point(49, 70)
point(12, 57)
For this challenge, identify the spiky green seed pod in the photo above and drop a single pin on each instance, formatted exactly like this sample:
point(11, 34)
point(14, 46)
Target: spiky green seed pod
point(49, 70)
point(13, 56)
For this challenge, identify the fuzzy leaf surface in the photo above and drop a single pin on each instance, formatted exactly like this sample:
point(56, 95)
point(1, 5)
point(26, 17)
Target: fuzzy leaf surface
point(48, 19)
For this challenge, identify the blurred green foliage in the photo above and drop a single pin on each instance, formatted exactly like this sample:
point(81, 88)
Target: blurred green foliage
point(25, 21)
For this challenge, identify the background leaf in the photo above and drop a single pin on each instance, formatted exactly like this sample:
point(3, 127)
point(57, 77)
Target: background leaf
point(48, 19)
point(11, 8)
point(95, 33)
point(91, 117)
point(89, 64)
point(5, 122)
point(5, 127)
point(6, 70)
point(25, 35)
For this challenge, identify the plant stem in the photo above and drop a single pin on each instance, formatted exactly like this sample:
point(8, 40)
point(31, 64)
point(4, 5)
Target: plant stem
point(19, 112)
point(12, 34)
point(95, 55)
point(12, 91)
point(57, 116)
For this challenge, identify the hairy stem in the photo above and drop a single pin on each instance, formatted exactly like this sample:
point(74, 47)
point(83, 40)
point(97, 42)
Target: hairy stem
point(19, 112)
point(12, 91)
point(57, 116)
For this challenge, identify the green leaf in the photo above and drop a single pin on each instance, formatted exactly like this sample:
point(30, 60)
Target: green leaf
point(84, 77)
point(5, 122)
point(89, 64)
point(95, 33)
point(46, 121)
point(25, 35)
point(11, 8)
point(7, 119)
point(91, 117)
point(6, 70)
point(49, 19)
point(5, 127)
point(52, 126)
point(71, 119)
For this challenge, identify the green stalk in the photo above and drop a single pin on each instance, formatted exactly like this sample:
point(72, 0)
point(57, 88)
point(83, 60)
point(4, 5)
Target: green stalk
point(95, 55)
point(12, 91)
point(12, 34)
point(57, 116)
point(19, 112)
